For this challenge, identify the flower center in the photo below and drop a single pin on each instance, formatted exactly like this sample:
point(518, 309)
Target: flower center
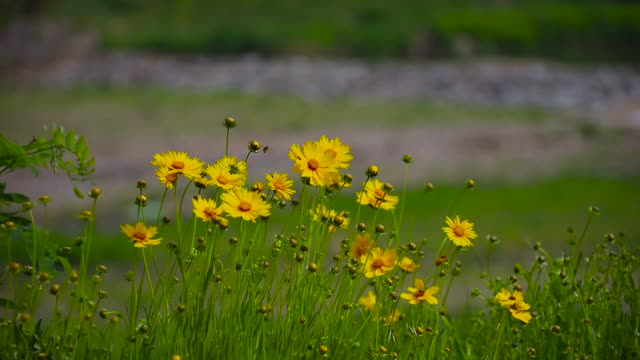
point(171, 177)
point(458, 230)
point(177, 164)
point(139, 236)
point(418, 293)
point(313, 164)
point(222, 180)
point(210, 212)
point(379, 193)
point(244, 206)
point(512, 298)
point(377, 263)
point(279, 186)
point(331, 153)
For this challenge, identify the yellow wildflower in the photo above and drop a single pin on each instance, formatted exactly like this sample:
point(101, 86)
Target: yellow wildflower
point(281, 185)
point(420, 293)
point(246, 204)
point(379, 262)
point(206, 209)
point(461, 233)
point(408, 265)
point(179, 162)
point(338, 152)
point(376, 196)
point(368, 302)
point(140, 234)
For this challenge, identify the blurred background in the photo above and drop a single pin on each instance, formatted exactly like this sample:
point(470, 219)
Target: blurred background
point(538, 101)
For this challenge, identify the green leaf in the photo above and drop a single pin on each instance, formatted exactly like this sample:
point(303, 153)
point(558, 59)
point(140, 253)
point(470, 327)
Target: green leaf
point(78, 193)
point(58, 137)
point(11, 155)
point(71, 139)
point(81, 145)
point(14, 198)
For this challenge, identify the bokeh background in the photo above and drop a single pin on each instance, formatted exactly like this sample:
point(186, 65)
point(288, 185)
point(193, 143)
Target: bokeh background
point(538, 101)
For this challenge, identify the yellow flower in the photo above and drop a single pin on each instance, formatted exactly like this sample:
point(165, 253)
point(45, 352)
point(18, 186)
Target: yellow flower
point(246, 204)
point(179, 162)
point(375, 196)
point(361, 246)
point(314, 164)
point(206, 209)
point(324, 215)
point(507, 300)
point(368, 302)
point(140, 234)
point(379, 262)
point(408, 265)
point(393, 318)
point(227, 173)
point(461, 233)
point(166, 177)
point(281, 185)
point(515, 303)
point(519, 311)
point(420, 293)
point(337, 150)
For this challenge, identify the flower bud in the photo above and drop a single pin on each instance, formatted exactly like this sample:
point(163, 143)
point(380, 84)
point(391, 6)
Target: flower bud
point(429, 187)
point(254, 146)
point(372, 171)
point(379, 228)
point(44, 200)
point(54, 289)
point(141, 184)
point(470, 183)
point(27, 206)
point(407, 159)
point(229, 122)
point(9, 225)
point(95, 193)
point(313, 267)
point(141, 200)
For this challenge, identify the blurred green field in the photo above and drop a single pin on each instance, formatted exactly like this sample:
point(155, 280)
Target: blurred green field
point(582, 31)
point(101, 109)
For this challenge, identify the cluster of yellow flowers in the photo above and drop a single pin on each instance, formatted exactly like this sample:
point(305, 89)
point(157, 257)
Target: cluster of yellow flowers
point(319, 162)
point(515, 303)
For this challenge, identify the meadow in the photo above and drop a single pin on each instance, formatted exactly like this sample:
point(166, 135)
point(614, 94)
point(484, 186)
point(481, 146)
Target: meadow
point(327, 259)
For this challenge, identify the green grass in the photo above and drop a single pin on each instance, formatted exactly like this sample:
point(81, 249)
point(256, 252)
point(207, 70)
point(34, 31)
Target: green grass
point(154, 110)
point(566, 30)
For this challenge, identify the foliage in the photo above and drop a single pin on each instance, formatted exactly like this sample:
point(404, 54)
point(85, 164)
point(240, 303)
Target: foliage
point(62, 150)
point(227, 283)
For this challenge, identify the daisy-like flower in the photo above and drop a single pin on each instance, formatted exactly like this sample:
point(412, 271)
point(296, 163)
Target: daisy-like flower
point(140, 234)
point(507, 299)
point(179, 162)
point(421, 293)
point(246, 204)
point(379, 262)
point(361, 246)
point(206, 209)
point(393, 318)
point(227, 173)
point(337, 150)
point(515, 303)
point(312, 163)
point(461, 233)
point(376, 196)
point(368, 302)
point(281, 185)
point(519, 311)
point(166, 177)
point(408, 265)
